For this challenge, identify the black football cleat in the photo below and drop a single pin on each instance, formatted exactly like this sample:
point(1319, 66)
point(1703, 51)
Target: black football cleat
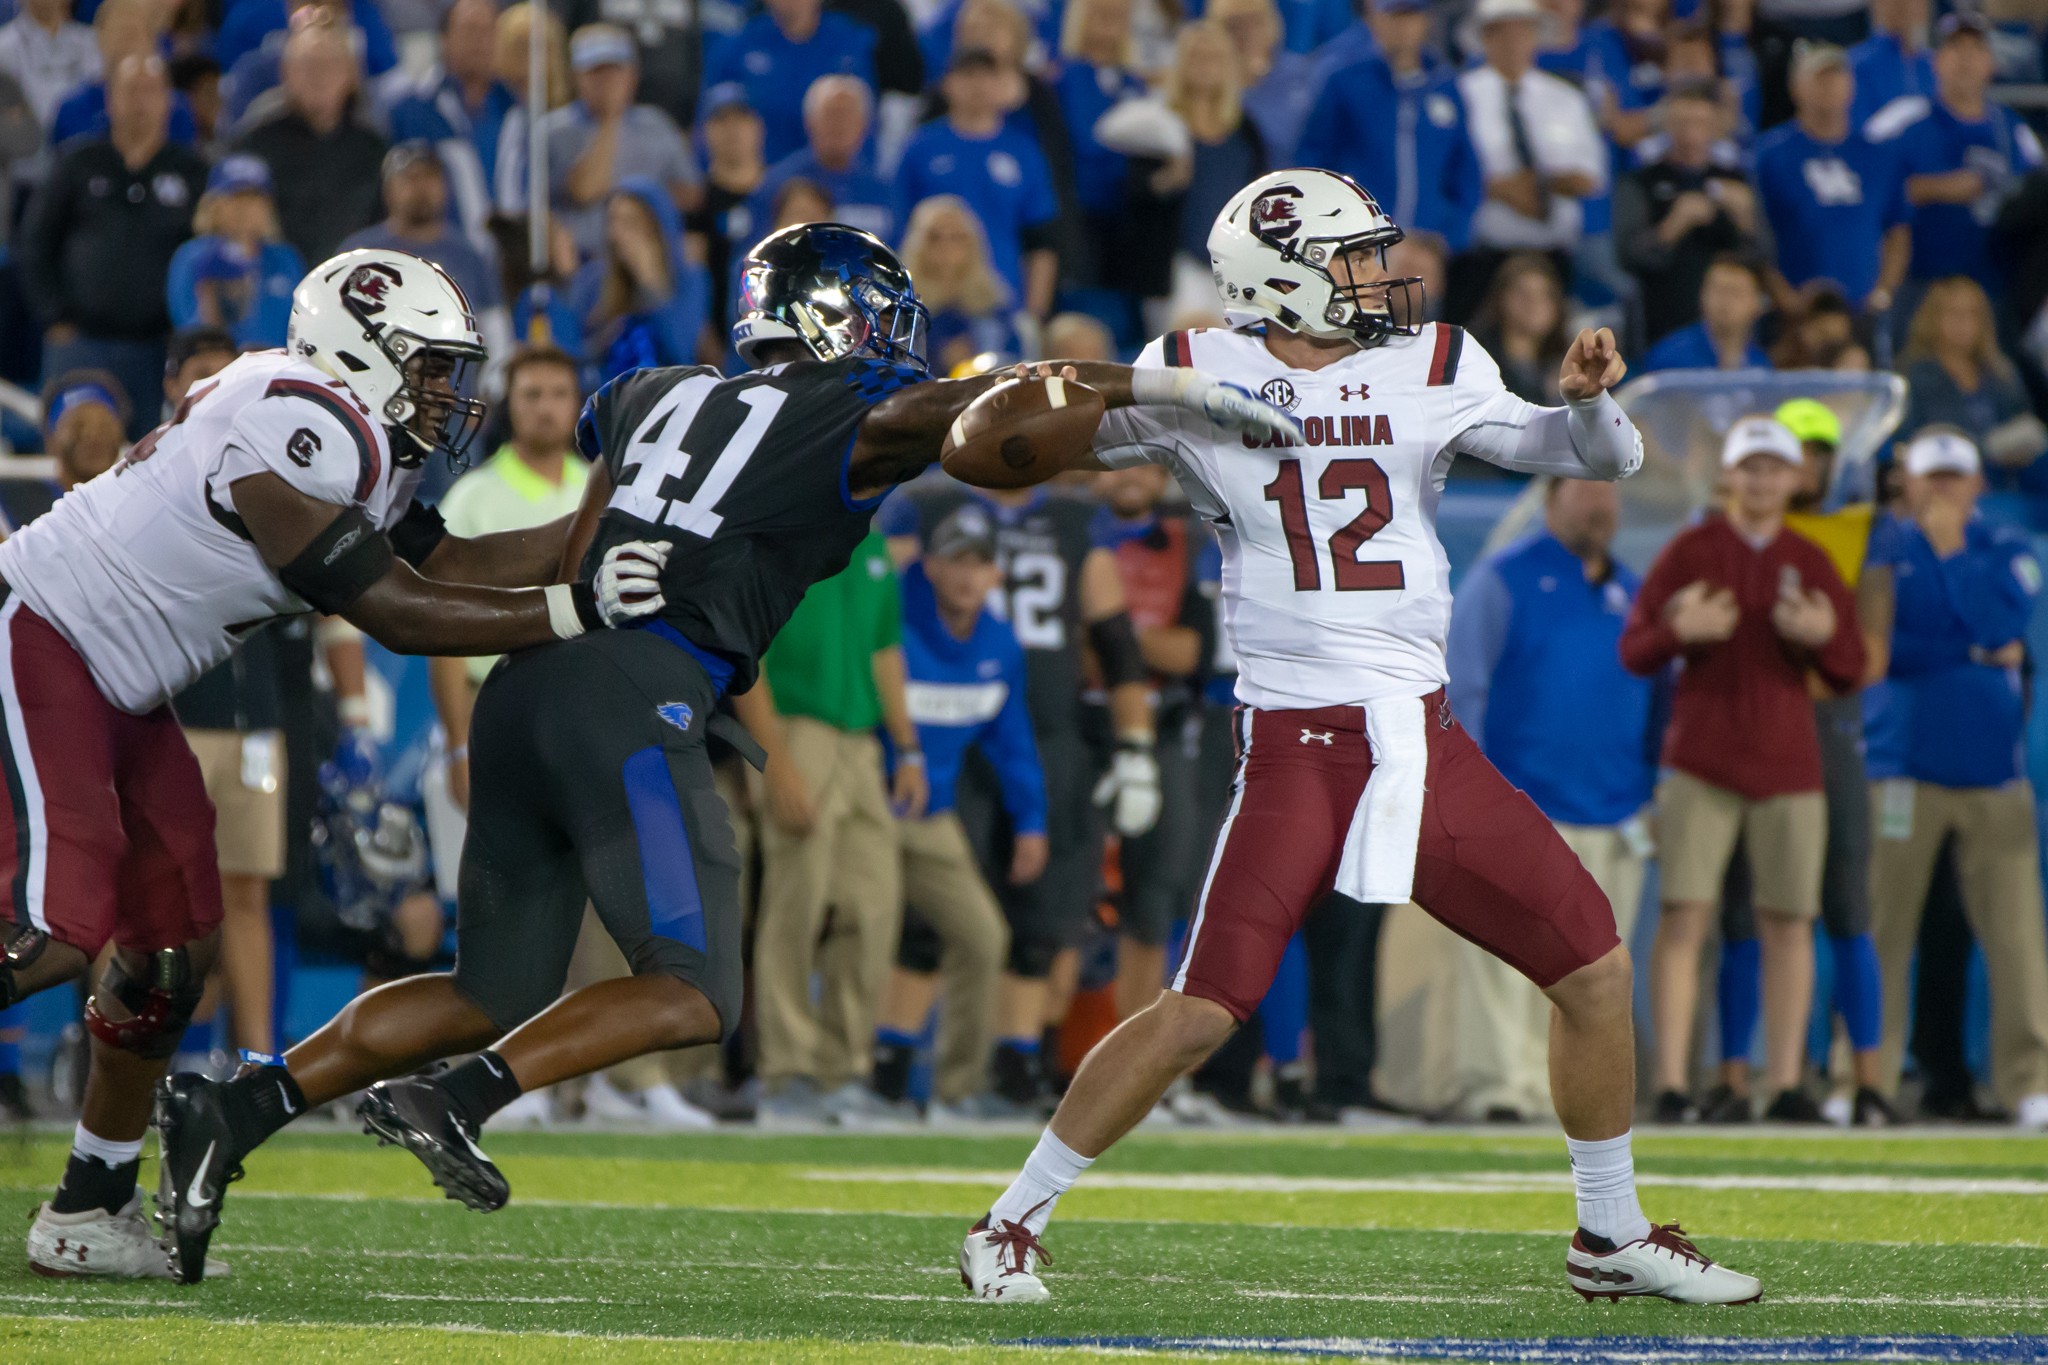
point(421, 1117)
point(200, 1159)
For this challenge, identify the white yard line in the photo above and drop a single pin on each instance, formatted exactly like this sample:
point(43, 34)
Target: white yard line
point(1472, 1182)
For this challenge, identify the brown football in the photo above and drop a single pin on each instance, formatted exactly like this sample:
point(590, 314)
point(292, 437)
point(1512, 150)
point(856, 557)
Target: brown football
point(1021, 432)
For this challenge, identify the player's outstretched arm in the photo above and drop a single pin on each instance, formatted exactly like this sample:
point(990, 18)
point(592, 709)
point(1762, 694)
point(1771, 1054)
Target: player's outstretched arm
point(340, 564)
point(900, 435)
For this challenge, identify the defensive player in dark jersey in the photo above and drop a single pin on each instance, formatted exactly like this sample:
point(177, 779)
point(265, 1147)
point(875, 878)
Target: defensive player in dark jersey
point(1063, 597)
point(761, 485)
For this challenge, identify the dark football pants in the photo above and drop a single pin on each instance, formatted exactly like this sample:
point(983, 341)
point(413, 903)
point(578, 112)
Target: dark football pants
point(589, 779)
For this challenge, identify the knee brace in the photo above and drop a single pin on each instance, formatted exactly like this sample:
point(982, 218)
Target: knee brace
point(1031, 955)
point(919, 950)
point(19, 950)
point(159, 993)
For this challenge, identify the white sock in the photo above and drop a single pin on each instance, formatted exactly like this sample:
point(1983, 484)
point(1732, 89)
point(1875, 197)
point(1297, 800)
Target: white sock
point(1604, 1174)
point(104, 1150)
point(1050, 1172)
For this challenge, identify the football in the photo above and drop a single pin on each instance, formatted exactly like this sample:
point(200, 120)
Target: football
point(1021, 432)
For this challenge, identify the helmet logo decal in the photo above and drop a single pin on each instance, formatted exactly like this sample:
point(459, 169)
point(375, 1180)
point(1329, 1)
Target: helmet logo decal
point(366, 288)
point(1280, 394)
point(1276, 214)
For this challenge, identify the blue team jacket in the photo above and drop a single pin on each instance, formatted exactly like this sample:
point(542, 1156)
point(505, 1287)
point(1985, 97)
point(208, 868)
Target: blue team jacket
point(1942, 715)
point(1536, 675)
point(970, 691)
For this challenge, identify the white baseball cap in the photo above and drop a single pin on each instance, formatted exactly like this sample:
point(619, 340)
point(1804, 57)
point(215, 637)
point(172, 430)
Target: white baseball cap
point(1942, 452)
point(1760, 436)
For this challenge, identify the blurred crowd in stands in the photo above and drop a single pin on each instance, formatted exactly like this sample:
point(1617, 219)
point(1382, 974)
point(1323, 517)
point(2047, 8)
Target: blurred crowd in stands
point(1732, 185)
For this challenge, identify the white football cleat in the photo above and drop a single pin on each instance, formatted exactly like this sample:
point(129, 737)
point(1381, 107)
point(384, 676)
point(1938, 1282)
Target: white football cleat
point(117, 1246)
point(999, 1264)
point(1663, 1265)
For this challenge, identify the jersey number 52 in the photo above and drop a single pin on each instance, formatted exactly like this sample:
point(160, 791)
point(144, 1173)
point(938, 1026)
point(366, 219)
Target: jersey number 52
point(1339, 478)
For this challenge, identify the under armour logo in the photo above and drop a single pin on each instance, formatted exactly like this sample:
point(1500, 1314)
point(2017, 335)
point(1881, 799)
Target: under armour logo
point(1344, 394)
point(1323, 737)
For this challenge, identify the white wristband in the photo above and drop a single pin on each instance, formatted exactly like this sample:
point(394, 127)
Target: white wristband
point(562, 617)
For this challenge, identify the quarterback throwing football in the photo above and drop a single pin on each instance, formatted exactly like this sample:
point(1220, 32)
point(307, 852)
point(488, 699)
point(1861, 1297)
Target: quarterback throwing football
point(1352, 771)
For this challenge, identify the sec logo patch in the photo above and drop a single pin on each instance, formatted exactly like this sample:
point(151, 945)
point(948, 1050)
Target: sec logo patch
point(302, 447)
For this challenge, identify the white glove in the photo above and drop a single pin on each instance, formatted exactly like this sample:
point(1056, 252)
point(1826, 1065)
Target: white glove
point(628, 582)
point(1228, 405)
point(627, 586)
point(1130, 789)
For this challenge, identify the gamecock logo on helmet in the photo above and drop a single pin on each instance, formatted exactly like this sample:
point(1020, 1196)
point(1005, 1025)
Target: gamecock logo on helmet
point(368, 286)
point(1273, 214)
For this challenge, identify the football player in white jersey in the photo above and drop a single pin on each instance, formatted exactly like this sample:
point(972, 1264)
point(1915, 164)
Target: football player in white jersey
point(1352, 771)
point(284, 484)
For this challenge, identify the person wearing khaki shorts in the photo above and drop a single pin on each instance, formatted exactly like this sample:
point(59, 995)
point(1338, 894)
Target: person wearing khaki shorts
point(1754, 611)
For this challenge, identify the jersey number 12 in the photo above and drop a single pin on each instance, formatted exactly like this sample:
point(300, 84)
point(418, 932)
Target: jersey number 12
point(1339, 478)
point(653, 489)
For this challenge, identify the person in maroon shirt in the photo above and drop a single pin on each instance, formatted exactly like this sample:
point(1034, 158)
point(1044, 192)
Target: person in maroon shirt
point(1750, 608)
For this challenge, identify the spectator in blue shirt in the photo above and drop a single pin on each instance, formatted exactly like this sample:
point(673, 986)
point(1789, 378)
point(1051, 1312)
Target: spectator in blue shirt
point(460, 107)
point(1962, 157)
point(1956, 376)
point(971, 308)
point(838, 112)
point(606, 137)
point(1096, 73)
point(1395, 123)
point(1541, 622)
point(1732, 300)
point(1279, 83)
point(1964, 594)
point(780, 53)
point(965, 688)
point(1892, 63)
point(1835, 200)
point(237, 273)
point(120, 29)
point(641, 303)
point(997, 168)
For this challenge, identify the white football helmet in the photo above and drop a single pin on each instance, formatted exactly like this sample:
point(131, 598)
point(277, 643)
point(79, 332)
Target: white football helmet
point(399, 334)
point(1277, 242)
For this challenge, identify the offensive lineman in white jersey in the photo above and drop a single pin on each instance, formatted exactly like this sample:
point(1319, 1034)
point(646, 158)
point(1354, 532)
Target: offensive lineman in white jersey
point(283, 485)
point(1352, 772)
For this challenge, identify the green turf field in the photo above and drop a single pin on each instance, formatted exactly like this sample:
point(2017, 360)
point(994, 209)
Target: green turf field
point(738, 1247)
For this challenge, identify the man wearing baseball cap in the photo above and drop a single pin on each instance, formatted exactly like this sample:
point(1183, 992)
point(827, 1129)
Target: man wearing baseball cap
point(1963, 151)
point(1843, 534)
point(966, 688)
point(1965, 591)
point(1835, 200)
point(1751, 609)
point(605, 137)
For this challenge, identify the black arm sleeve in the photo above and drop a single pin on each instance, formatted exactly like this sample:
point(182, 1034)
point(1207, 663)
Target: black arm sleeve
point(1116, 645)
point(418, 533)
point(340, 565)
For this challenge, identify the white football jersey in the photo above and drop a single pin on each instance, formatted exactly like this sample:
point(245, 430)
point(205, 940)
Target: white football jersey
point(148, 572)
point(1336, 590)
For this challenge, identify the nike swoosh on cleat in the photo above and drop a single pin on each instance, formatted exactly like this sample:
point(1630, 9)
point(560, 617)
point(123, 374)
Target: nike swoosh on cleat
point(192, 1194)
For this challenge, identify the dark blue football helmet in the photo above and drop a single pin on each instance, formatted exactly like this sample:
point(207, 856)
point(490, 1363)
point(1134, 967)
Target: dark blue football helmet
point(835, 289)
